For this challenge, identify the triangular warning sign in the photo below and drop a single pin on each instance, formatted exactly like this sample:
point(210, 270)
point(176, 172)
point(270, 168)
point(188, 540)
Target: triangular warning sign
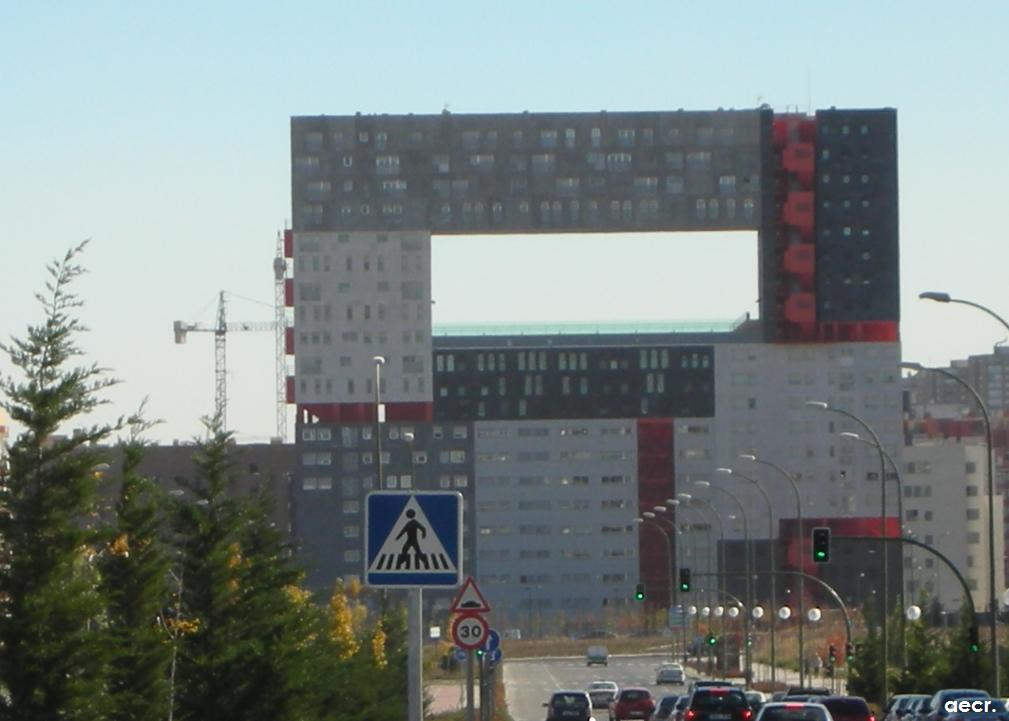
point(469, 599)
point(412, 546)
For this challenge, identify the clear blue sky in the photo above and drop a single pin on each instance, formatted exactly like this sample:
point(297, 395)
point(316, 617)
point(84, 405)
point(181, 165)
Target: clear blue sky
point(161, 131)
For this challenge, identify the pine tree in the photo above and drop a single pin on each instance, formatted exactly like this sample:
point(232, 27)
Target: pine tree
point(208, 523)
point(134, 576)
point(280, 622)
point(54, 662)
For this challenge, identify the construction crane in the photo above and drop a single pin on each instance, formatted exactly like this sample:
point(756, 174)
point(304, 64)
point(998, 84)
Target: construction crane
point(220, 331)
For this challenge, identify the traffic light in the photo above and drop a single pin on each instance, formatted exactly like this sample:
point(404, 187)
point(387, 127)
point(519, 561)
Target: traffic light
point(973, 644)
point(849, 652)
point(639, 592)
point(832, 654)
point(684, 579)
point(749, 641)
point(821, 544)
point(711, 639)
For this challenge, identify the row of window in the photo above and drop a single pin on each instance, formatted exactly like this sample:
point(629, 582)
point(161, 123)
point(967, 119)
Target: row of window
point(349, 435)
point(353, 486)
point(546, 530)
point(544, 456)
point(648, 359)
point(550, 213)
point(544, 138)
point(577, 554)
point(545, 431)
point(503, 505)
point(562, 480)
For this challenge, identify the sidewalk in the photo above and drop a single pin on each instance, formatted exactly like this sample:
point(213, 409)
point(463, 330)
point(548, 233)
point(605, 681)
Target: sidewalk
point(448, 696)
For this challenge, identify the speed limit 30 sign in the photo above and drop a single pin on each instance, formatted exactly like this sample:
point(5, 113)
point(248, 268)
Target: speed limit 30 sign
point(469, 631)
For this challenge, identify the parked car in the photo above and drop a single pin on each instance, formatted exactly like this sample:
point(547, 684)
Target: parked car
point(718, 703)
point(602, 693)
point(669, 673)
point(793, 711)
point(597, 655)
point(569, 706)
point(913, 708)
point(664, 708)
point(935, 708)
point(847, 708)
point(901, 704)
point(995, 711)
point(756, 699)
point(632, 702)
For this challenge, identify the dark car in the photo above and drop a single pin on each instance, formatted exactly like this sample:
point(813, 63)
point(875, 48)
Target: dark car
point(902, 704)
point(847, 708)
point(793, 711)
point(718, 703)
point(664, 708)
point(569, 706)
point(631, 703)
point(981, 710)
point(935, 708)
point(913, 708)
point(680, 708)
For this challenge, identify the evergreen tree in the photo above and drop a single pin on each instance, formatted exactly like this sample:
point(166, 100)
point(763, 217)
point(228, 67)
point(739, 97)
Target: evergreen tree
point(134, 569)
point(958, 666)
point(53, 663)
point(278, 658)
point(864, 669)
point(209, 678)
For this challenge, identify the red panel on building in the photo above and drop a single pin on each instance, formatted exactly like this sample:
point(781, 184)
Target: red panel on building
point(403, 412)
point(656, 483)
point(289, 341)
point(798, 212)
point(798, 159)
point(290, 389)
point(800, 261)
point(288, 243)
point(289, 292)
point(364, 412)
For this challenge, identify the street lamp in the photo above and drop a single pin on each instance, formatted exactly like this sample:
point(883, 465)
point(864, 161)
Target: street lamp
point(992, 603)
point(798, 517)
point(650, 516)
point(822, 405)
point(721, 561)
point(747, 553)
point(379, 362)
point(900, 529)
point(771, 554)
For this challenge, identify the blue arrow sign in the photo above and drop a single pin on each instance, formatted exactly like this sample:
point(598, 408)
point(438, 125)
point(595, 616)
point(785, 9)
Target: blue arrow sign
point(493, 641)
point(494, 657)
point(413, 539)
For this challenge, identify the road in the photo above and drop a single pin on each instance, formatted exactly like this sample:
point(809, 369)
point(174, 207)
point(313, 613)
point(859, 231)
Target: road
point(529, 683)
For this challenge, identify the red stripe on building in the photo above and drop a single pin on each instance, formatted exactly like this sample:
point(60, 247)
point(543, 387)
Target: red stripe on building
point(656, 483)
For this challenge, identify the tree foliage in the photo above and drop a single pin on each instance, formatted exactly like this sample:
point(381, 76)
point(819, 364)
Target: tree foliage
point(54, 661)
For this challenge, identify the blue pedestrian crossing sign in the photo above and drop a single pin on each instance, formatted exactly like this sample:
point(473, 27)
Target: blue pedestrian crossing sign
point(413, 539)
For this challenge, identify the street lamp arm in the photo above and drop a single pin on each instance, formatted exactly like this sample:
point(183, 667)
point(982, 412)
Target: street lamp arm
point(946, 298)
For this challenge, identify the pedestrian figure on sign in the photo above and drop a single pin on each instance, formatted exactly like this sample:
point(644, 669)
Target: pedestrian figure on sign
point(410, 529)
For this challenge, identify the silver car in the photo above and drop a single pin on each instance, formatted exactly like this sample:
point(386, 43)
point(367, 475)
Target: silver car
point(669, 673)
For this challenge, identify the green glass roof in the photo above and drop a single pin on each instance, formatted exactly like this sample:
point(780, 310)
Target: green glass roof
point(584, 327)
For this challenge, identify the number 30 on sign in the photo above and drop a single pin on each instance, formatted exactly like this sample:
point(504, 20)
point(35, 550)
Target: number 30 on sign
point(469, 631)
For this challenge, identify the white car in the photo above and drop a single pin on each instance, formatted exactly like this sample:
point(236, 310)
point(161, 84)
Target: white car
point(602, 693)
point(669, 673)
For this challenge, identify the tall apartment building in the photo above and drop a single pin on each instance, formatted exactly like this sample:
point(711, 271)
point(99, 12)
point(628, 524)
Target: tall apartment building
point(988, 373)
point(559, 440)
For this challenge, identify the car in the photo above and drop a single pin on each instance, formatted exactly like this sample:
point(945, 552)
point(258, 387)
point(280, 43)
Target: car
point(680, 708)
point(718, 703)
point(847, 708)
point(900, 704)
point(701, 683)
point(664, 708)
point(597, 655)
point(911, 712)
point(669, 673)
point(569, 705)
point(632, 702)
point(601, 693)
point(807, 691)
point(756, 699)
point(935, 708)
point(793, 711)
point(995, 710)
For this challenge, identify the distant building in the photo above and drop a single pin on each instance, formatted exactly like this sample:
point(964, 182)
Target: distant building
point(559, 437)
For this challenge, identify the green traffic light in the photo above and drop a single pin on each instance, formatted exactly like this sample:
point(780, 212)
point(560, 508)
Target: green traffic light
point(684, 587)
point(639, 596)
point(712, 640)
point(821, 554)
point(973, 648)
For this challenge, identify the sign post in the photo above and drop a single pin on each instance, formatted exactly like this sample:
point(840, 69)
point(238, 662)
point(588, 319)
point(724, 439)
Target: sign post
point(470, 631)
point(413, 540)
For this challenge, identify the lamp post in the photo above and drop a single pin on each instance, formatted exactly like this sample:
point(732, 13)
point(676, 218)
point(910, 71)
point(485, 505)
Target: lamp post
point(379, 362)
point(799, 534)
point(992, 603)
point(770, 544)
point(885, 596)
point(650, 516)
point(747, 553)
point(670, 504)
point(900, 529)
point(721, 565)
point(710, 578)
